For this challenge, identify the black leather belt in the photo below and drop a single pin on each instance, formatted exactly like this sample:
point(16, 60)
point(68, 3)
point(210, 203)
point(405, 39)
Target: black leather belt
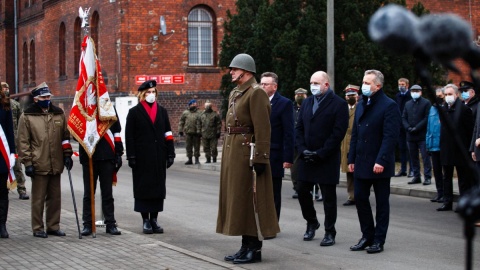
point(239, 130)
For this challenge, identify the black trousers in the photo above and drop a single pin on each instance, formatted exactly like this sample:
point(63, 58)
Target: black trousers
point(251, 242)
point(277, 194)
point(329, 193)
point(437, 172)
point(102, 170)
point(464, 184)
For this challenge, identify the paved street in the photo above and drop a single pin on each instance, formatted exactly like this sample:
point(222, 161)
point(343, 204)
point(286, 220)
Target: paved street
point(419, 237)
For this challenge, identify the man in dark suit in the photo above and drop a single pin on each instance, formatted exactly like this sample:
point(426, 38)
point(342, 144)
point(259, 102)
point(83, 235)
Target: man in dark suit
point(281, 140)
point(401, 98)
point(321, 126)
point(372, 159)
point(462, 120)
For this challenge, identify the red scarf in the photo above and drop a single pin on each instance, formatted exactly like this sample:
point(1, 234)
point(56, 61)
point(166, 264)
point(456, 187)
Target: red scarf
point(151, 111)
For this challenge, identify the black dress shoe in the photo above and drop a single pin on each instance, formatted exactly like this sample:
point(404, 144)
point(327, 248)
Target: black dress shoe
point(349, 202)
point(415, 180)
point(400, 173)
point(310, 232)
point(328, 240)
point(86, 231)
point(362, 244)
point(239, 253)
point(23, 196)
point(56, 233)
point(112, 229)
point(147, 227)
point(435, 199)
point(40, 234)
point(375, 248)
point(441, 200)
point(295, 195)
point(155, 227)
point(252, 255)
point(427, 181)
point(410, 175)
point(445, 207)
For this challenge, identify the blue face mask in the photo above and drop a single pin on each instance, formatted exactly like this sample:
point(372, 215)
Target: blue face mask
point(44, 103)
point(465, 95)
point(366, 91)
point(402, 89)
point(415, 95)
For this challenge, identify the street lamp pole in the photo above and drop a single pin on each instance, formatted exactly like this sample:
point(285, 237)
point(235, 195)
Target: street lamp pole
point(330, 43)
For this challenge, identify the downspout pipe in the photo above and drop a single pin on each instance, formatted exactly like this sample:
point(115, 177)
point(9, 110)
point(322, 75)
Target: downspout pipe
point(16, 44)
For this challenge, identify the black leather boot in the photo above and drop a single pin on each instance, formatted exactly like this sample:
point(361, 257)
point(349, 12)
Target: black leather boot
point(239, 253)
point(197, 161)
point(147, 227)
point(189, 162)
point(87, 230)
point(208, 160)
point(3, 218)
point(155, 226)
point(214, 159)
point(252, 255)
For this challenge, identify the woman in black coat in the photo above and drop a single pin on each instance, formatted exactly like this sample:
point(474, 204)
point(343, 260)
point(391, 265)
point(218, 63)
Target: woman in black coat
point(150, 151)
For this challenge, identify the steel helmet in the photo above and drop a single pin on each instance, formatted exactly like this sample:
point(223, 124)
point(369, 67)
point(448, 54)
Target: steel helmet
point(243, 61)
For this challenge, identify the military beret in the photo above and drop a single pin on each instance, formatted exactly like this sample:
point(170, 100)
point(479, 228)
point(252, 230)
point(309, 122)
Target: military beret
point(416, 87)
point(351, 89)
point(41, 90)
point(465, 85)
point(191, 102)
point(147, 85)
point(300, 91)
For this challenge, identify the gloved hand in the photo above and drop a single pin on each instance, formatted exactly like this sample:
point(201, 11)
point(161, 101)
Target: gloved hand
point(218, 135)
point(12, 160)
point(169, 162)
point(310, 156)
point(180, 133)
point(132, 162)
point(118, 162)
point(259, 168)
point(68, 162)
point(30, 171)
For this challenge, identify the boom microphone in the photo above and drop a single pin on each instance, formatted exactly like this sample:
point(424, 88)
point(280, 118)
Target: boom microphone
point(394, 27)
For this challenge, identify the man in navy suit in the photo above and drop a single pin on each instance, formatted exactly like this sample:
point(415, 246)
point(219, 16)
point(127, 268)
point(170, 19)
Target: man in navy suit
point(281, 140)
point(372, 159)
point(321, 126)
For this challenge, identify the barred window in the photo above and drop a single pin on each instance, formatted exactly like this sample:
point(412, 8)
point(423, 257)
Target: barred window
point(32, 62)
point(25, 63)
point(200, 37)
point(77, 43)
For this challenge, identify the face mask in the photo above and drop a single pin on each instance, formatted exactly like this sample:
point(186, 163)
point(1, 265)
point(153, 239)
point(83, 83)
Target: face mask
point(449, 100)
point(315, 89)
point(402, 89)
point(193, 108)
point(415, 95)
point(465, 95)
point(352, 100)
point(150, 98)
point(208, 108)
point(7, 93)
point(299, 100)
point(439, 100)
point(366, 91)
point(44, 103)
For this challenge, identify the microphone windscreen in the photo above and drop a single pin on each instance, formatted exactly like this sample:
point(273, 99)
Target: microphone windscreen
point(394, 27)
point(444, 37)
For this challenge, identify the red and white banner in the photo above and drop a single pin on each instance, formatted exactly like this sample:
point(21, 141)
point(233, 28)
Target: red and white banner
point(92, 112)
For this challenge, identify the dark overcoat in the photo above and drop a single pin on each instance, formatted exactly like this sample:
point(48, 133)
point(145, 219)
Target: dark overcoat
point(7, 126)
point(375, 132)
point(322, 132)
point(415, 114)
point(235, 206)
point(462, 120)
point(150, 144)
point(282, 140)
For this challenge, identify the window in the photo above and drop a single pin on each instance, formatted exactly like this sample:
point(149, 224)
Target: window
point(200, 37)
point(25, 63)
point(32, 63)
point(77, 43)
point(94, 31)
point(61, 50)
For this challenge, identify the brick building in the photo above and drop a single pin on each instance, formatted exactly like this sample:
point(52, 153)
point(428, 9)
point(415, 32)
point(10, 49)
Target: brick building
point(130, 44)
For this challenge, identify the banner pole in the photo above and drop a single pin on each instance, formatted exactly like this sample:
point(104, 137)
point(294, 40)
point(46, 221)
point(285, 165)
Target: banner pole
point(92, 197)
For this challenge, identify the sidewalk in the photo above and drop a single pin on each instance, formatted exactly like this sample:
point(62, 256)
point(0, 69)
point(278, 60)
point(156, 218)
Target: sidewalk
point(398, 185)
point(128, 251)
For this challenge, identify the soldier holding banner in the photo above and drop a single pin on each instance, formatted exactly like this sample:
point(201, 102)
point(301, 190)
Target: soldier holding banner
point(44, 149)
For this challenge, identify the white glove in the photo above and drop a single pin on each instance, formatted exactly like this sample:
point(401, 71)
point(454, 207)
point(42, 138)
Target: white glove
point(12, 160)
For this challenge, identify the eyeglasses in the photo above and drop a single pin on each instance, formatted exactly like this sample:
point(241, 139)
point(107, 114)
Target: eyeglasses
point(265, 84)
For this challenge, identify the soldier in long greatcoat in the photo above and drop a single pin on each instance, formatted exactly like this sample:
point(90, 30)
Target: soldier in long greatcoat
point(247, 120)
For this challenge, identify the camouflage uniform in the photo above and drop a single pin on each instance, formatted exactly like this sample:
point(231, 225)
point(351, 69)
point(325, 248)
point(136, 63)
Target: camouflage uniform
point(211, 128)
point(17, 168)
point(190, 125)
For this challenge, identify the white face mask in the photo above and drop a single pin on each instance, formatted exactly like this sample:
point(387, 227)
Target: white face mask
point(315, 89)
point(450, 100)
point(150, 98)
point(415, 95)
